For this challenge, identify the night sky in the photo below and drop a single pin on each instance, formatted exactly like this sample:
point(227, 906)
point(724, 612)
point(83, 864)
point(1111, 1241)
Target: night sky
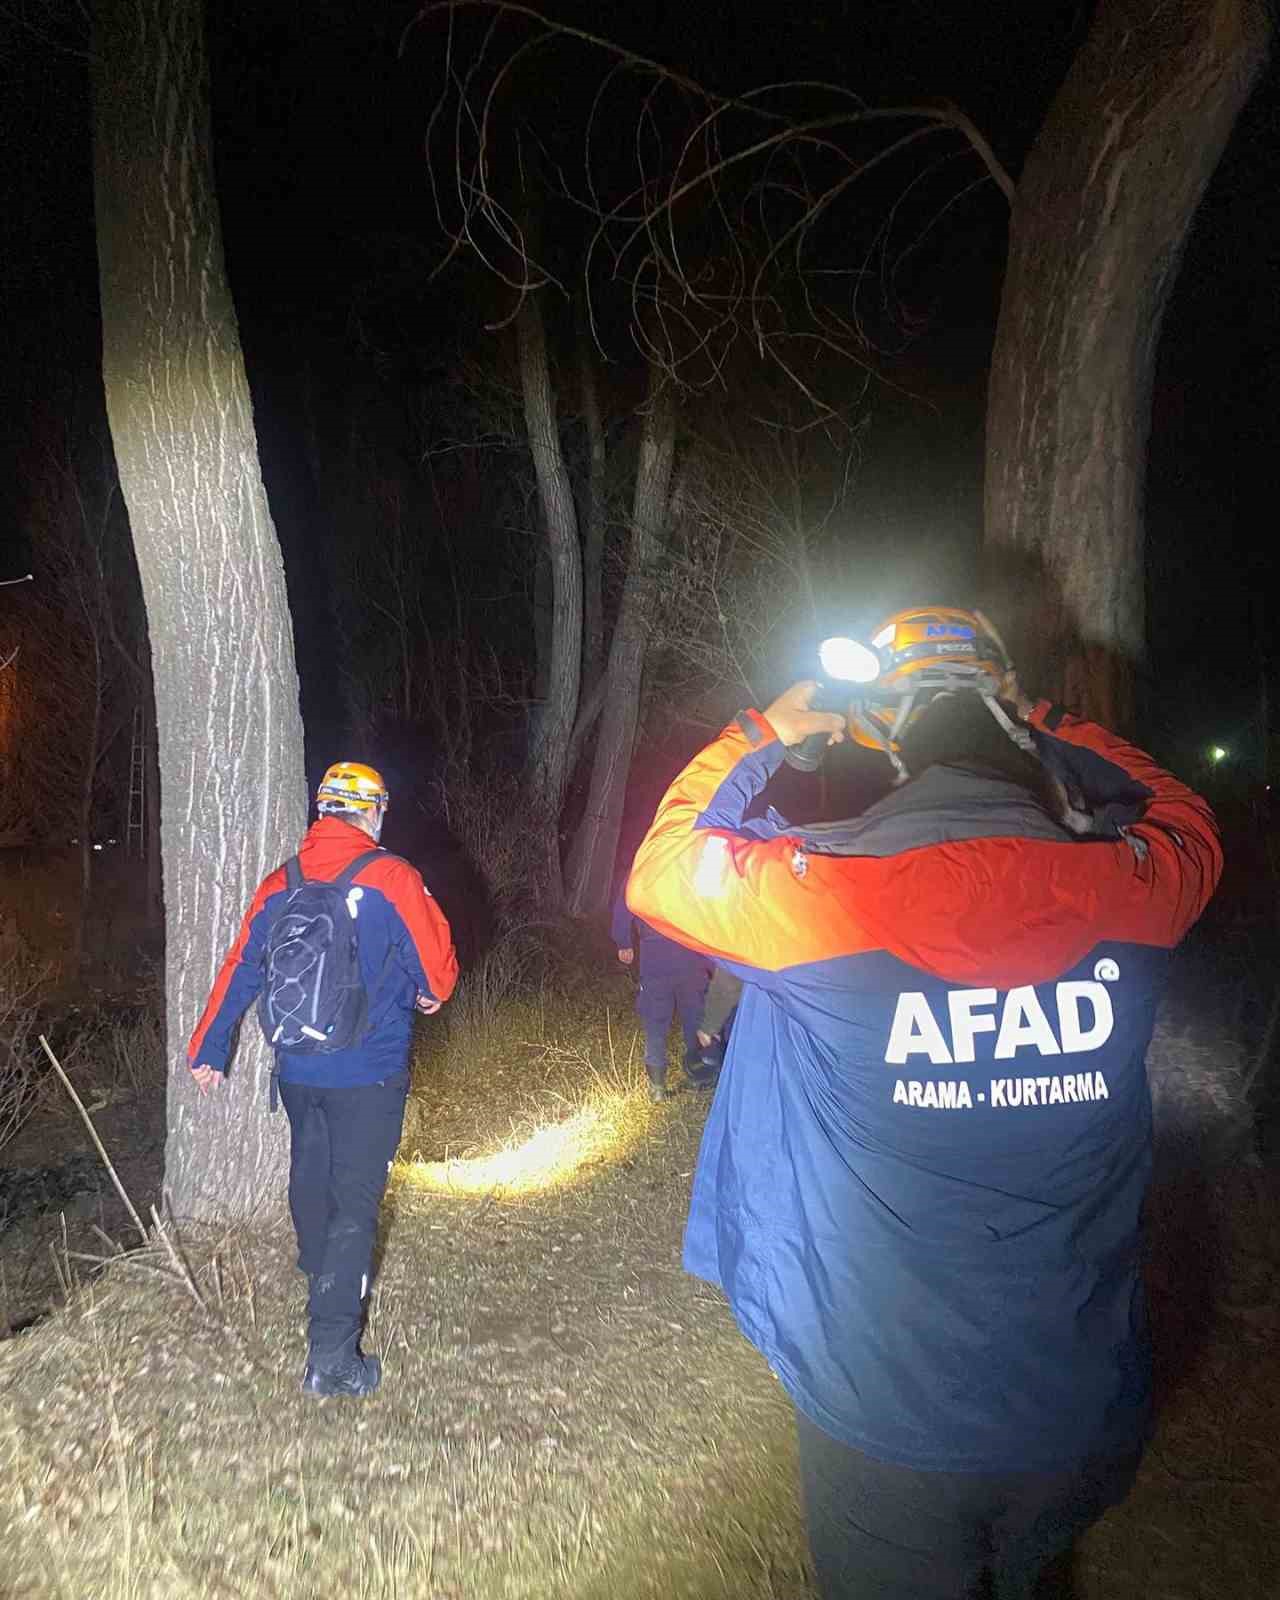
point(319, 115)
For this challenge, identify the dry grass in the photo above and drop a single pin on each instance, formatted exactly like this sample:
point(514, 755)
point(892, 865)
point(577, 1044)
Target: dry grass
point(565, 1413)
point(560, 1400)
point(114, 1053)
point(23, 1071)
point(524, 1104)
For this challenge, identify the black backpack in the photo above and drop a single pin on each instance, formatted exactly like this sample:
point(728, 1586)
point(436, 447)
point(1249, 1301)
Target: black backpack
point(313, 998)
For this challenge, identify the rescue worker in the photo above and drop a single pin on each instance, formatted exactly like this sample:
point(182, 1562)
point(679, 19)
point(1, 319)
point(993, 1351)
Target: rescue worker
point(672, 978)
point(346, 1106)
point(921, 1179)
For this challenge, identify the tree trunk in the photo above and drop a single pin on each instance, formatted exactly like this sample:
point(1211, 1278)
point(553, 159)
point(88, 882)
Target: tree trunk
point(151, 812)
point(226, 689)
point(88, 782)
point(1099, 219)
point(549, 764)
point(596, 843)
point(597, 511)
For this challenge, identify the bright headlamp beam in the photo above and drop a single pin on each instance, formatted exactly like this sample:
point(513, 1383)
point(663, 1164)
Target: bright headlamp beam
point(1217, 753)
point(849, 661)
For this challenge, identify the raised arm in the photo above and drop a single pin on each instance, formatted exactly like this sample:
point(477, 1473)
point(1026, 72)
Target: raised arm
point(1168, 858)
point(701, 877)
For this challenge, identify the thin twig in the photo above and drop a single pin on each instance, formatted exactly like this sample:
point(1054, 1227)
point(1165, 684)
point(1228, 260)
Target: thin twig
point(247, 1276)
point(93, 1134)
point(137, 1259)
point(63, 1282)
point(114, 1245)
point(179, 1262)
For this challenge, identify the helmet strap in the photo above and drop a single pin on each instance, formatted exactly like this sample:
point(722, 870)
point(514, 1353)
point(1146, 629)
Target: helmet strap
point(900, 773)
point(905, 707)
point(883, 741)
point(1021, 736)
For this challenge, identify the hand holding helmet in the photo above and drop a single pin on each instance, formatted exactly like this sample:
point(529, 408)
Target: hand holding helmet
point(846, 663)
point(914, 657)
point(795, 719)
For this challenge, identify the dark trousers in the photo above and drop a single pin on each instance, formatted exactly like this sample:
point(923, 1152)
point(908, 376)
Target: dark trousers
point(723, 994)
point(342, 1146)
point(656, 999)
point(883, 1532)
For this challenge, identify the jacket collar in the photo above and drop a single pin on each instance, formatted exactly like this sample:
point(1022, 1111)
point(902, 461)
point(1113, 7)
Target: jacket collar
point(943, 805)
point(330, 845)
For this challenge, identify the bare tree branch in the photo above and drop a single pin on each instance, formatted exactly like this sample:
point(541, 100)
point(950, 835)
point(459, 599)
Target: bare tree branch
point(699, 236)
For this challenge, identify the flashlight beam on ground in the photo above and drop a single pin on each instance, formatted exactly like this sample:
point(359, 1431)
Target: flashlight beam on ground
point(548, 1158)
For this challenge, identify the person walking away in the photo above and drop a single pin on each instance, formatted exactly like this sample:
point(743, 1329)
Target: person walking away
point(672, 978)
point(339, 946)
point(922, 1176)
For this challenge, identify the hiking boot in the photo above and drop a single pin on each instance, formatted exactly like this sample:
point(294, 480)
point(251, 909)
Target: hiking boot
point(702, 1066)
point(657, 1091)
point(354, 1375)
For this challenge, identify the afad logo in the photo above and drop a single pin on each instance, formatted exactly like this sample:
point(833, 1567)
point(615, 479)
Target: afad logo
point(948, 630)
point(1083, 1015)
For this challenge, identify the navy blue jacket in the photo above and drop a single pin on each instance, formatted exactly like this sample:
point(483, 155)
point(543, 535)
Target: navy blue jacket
point(921, 1178)
point(397, 918)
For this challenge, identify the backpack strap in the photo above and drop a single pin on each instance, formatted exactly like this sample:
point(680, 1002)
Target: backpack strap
point(343, 881)
point(348, 873)
point(293, 880)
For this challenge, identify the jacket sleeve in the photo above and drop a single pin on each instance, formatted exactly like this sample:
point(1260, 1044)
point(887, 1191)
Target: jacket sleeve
point(767, 903)
point(701, 881)
point(426, 949)
point(238, 983)
point(620, 929)
point(1167, 862)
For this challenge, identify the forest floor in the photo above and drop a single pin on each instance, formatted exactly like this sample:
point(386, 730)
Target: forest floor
point(564, 1412)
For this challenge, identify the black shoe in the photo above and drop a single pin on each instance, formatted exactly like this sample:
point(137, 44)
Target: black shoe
point(355, 1375)
point(702, 1066)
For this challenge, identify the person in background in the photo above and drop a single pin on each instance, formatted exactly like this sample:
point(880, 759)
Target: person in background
point(345, 1105)
point(922, 1177)
point(718, 1013)
point(672, 979)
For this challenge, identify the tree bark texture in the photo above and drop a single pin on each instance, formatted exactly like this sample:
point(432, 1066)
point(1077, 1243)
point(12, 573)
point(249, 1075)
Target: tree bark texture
point(596, 843)
point(1100, 216)
point(226, 688)
point(596, 517)
point(549, 766)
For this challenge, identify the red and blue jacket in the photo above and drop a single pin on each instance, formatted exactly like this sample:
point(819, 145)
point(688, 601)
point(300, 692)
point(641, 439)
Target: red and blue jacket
point(398, 919)
point(921, 1176)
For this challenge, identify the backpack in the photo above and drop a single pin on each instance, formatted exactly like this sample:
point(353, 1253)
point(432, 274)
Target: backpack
point(313, 999)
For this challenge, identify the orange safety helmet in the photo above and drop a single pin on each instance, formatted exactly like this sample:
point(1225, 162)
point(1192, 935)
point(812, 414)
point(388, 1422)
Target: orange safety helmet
point(924, 652)
point(351, 786)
